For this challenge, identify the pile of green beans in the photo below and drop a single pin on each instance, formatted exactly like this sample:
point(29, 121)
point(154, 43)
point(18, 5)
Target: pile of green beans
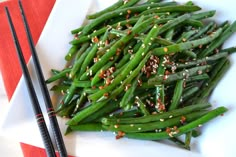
point(144, 70)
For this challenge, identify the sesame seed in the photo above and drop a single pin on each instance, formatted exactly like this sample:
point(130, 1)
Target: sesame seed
point(139, 128)
point(162, 120)
point(165, 49)
point(121, 13)
point(132, 125)
point(143, 45)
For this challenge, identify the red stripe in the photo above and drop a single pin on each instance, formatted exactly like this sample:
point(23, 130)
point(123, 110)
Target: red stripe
point(31, 151)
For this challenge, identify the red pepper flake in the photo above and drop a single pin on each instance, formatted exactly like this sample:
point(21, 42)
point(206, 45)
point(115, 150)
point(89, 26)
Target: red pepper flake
point(118, 51)
point(183, 119)
point(217, 51)
point(106, 95)
point(129, 11)
point(101, 75)
point(127, 16)
point(107, 42)
point(140, 82)
point(76, 36)
point(128, 25)
point(94, 87)
point(200, 46)
point(156, 17)
point(120, 134)
point(167, 72)
point(95, 59)
point(108, 81)
point(161, 106)
point(168, 130)
point(95, 39)
point(101, 87)
point(165, 77)
point(129, 32)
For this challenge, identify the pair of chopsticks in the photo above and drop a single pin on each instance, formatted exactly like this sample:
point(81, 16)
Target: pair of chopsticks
point(35, 103)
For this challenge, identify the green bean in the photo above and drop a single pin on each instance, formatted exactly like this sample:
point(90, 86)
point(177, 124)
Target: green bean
point(198, 78)
point(226, 34)
point(142, 106)
point(188, 137)
point(156, 117)
point(186, 35)
point(133, 63)
point(102, 51)
point(132, 70)
point(203, 15)
point(110, 8)
point(177, 95)
point(82, 49)
point(55, 71)
point(200, 61)
point(97, 77)
point(91, 90)
point(129, 4)
point(202, 31)
point(179, 8)
point(127, 81)
point(159, 40)
point(173, 23)
point(129, 93)
point(169, 34)
point(179, 142)
point(177, 76)
point(59, 88)
point(161, 71)
point(71, 52)
point(123, 12)
point(91, 55)
point(153, 1)
point(196, 133)
point(103, 112)
point(126, 114)
point(77, 30)
point(230, 50)
point(188, 93)
point(68, 110)
point(117, 46)
point(84, 84)
point(59, 75)
point(187, 45)
point(87, 127)
point(92, 108)
point(205, 93)
point(78, 63)
point(181, 130)
point(152, 126)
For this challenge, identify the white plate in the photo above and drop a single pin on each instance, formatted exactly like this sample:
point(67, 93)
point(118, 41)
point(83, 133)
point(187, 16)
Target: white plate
point(218, 136)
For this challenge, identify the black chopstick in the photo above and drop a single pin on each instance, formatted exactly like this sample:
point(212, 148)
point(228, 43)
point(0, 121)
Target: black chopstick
point(51, 114)
point(35, 103)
